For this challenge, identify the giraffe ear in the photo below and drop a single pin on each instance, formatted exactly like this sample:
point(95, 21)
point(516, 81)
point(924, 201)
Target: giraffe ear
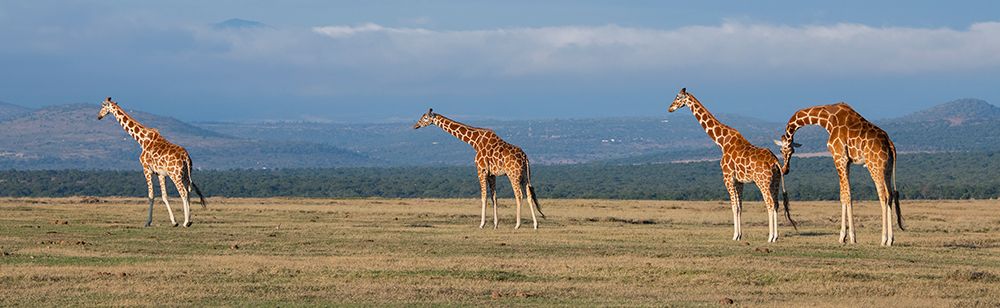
point(684, 90)
point(778, 142)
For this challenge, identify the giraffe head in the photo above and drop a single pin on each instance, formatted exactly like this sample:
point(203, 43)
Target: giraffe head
point(106, 107)
point(426, 119)
point(787, 149)
point(682, 99)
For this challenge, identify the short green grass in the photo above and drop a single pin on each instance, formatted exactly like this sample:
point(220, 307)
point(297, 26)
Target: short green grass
point(304, 252)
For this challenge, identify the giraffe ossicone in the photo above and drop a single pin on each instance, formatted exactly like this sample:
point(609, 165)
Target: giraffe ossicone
point(159, 157)
point(494, 157)
point(742, 162)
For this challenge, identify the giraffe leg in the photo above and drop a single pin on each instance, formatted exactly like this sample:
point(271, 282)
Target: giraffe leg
point(768, 195)
point(775, 192)
point(850, 223)
point(517, 197)
point(888, 209)
point(149, 186)
point(493, 196)
point(774, 221)
point(888, 215)
point(483, 193)
point(882, 189)
point(734, 189)
point(739, 210)
point(770, 227)
point(843, 223)
point(163, 194)
point(184, 191)
point(846, 208)
point(531, 206)
point(889, 191)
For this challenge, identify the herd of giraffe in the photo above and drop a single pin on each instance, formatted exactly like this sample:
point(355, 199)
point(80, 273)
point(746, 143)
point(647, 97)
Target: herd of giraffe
point(853, 139)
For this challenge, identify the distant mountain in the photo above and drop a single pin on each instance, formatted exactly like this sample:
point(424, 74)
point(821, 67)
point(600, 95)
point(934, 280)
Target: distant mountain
point(966, 125)
point(70, 136)
point(959, 125)
point(557, 141)
point(236, 23)
point(964, 111)
point(8, 111)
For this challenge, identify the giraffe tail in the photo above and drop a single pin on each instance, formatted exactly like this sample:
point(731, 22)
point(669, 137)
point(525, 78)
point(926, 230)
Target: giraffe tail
point(534, 200)
point(894, 196)
point(195, 187)
point(784, 202)
point(200, 196)
point(531, 193)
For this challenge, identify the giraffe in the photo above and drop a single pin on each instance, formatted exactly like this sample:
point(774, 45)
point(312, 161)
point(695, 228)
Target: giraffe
point(494, 157)
point(742, 162)
point(853, 139)
point(159, 157)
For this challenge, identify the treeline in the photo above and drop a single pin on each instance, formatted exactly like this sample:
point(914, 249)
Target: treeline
point(919, 176)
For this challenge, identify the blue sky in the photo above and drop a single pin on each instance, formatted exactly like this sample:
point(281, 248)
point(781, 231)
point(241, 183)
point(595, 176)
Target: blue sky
point(391, 60)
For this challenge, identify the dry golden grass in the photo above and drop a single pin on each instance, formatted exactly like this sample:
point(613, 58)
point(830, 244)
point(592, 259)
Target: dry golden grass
point(397, 252)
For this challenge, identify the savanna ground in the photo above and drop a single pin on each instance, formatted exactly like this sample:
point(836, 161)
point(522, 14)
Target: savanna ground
point(410, 251)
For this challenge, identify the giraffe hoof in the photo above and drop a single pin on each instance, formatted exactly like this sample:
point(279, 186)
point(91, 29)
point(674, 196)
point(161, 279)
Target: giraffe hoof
point(187, 224)
point(147, 225)
point(175, 224)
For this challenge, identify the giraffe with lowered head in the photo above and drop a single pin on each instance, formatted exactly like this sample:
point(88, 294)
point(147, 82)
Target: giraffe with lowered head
point(494, 157)
point(159, 157)
point(742, 162)
point(853, 139)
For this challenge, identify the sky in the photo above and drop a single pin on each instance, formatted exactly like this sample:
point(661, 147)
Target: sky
point(373, 61)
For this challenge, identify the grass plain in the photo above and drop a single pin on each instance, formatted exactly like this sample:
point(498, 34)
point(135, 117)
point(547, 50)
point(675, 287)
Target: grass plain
point(304, 252)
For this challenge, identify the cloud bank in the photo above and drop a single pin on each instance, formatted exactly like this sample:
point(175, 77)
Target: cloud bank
point(374, 69)
point(839, 48)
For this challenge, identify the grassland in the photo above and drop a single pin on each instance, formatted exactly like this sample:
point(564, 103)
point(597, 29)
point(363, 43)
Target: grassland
point(414, 251)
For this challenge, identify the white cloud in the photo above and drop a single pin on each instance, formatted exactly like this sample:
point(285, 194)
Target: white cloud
point(731, 46)
point(371, 58)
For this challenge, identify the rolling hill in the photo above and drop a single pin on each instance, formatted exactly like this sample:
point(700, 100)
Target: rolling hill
point(71, 137)
point(961, 125)
point(8, 111)
point(557, 141)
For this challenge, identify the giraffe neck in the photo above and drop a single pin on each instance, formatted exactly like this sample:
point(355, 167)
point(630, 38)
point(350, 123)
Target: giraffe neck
point(818, 115)
point(466, 133)
point(130, 125)
point(715, 129)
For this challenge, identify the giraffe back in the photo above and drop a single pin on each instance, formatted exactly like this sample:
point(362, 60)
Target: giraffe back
point(862, 140)
point(164, 157)
point(498, 156)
